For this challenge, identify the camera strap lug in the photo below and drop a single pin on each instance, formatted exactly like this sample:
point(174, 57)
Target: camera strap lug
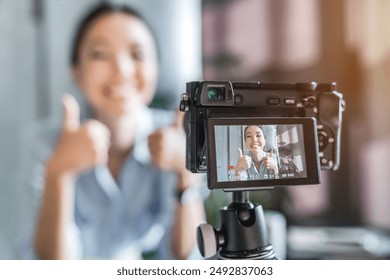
point(184, 102)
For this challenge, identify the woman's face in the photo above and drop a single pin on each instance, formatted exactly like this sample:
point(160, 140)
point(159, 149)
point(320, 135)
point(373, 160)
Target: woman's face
point(254, 138)
point(118, 66)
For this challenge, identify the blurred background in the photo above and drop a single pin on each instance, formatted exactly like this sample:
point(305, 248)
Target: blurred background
point(348, 42)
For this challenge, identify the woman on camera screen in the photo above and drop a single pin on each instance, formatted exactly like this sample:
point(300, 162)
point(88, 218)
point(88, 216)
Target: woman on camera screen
point(259, 164)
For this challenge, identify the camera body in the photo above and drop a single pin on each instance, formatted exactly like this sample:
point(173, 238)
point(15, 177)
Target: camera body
point(204, 100)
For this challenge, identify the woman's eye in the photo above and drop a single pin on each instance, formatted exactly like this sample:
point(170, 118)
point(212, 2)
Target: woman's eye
point(138, 54)
point(98, 55)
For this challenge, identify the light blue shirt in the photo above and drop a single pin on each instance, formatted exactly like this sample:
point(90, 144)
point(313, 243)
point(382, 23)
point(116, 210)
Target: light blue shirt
point(262, 173)
point(112, 220)
point(121, 220)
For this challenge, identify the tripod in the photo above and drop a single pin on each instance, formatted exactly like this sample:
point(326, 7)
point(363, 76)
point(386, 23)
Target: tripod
point(242, 233)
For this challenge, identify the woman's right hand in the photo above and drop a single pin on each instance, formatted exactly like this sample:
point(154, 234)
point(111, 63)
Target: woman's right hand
point(244, 162)
point(80, 146)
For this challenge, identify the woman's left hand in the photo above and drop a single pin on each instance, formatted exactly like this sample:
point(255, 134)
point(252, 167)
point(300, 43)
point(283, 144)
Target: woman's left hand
point(269, 162)
point(167, 146)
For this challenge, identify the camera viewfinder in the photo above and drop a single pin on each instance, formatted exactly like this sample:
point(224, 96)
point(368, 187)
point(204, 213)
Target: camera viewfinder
point(216, 93)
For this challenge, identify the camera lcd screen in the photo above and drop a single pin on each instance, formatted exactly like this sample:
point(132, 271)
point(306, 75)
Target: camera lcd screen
point(247, 153)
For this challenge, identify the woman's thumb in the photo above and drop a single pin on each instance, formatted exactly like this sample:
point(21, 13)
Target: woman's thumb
point(71, 119)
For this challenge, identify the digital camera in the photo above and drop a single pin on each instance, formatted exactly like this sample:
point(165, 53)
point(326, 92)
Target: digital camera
point(301, 123)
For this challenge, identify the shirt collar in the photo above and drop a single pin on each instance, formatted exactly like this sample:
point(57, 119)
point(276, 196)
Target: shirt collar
point(141, 154)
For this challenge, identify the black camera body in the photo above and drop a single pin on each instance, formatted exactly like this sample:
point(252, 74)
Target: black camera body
point(204, 100)
point(252, 135)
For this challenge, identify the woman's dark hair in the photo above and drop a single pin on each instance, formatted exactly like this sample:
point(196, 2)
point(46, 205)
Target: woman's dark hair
point(99, 10)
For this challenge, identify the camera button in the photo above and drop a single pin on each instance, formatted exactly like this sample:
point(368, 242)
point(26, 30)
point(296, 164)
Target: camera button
point(309, 101)
point(273, 101)
point(324, 161)
point(290, 101)
point(238, 99)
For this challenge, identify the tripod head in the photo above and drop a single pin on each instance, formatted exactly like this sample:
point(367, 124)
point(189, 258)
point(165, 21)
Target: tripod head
point(242, 233)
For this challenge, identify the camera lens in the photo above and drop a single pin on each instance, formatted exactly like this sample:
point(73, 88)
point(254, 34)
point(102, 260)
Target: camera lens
point(216, 93)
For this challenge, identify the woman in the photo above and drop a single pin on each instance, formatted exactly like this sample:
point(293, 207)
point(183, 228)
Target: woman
point(259, 164)
point(106, 190)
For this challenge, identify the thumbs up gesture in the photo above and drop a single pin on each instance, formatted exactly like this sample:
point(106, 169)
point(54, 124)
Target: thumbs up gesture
point(167, 146)
point(269, 162)
point(81, 145)
point(244, 162)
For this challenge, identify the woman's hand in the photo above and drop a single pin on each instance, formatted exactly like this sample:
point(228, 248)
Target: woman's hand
point(167, 147)
point(81, 146)
point(269, 162)
point(243, 164)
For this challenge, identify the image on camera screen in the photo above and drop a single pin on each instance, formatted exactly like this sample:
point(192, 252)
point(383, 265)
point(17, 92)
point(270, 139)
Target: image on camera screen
point(262, 151)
